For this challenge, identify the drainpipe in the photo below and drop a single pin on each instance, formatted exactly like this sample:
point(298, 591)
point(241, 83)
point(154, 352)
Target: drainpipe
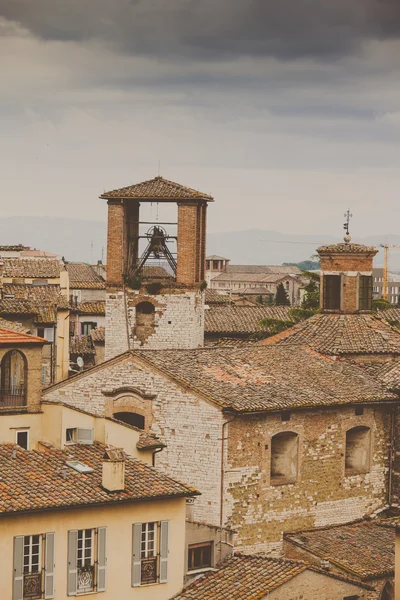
point(392, 442)
point(221, 507)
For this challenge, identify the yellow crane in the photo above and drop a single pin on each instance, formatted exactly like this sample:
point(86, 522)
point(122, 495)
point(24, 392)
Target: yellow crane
point(386, 267)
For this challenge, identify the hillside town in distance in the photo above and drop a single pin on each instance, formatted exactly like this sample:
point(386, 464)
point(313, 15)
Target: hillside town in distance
point(174, 426)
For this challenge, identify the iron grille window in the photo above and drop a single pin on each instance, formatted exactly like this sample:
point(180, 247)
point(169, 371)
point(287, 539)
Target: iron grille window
point(365, 292)
point(200, 556)
point(332, 292)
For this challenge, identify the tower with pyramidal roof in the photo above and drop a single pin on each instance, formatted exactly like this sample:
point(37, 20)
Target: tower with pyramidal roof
point(155, 269)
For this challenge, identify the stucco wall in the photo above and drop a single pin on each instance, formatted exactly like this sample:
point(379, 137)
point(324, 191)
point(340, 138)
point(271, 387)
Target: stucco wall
point(118, 520)
point(310, 585)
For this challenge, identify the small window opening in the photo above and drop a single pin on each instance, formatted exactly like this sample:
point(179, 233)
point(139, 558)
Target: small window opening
point(285, 415)
point(331, 297)
point(284, 458)
point(358, 450)
point(131, 418)
point(22, 439)
point(200, 556)
point(365, 292)
point(359, 410)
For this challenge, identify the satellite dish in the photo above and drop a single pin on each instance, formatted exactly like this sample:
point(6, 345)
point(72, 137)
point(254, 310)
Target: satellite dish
point(79, 362)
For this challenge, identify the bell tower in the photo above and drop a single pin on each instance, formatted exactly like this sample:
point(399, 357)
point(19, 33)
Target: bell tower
point(155, 270)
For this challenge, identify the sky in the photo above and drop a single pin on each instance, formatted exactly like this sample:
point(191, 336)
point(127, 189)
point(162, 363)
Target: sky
point(286, 112)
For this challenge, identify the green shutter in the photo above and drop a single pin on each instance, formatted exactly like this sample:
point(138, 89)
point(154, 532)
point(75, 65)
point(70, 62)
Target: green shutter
point(18, 577)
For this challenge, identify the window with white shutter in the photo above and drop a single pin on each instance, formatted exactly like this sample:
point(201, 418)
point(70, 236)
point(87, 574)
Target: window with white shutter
point(87, 561)
point(34, 557)
point(150, 548)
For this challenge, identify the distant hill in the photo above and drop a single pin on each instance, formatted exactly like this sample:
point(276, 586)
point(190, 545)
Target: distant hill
point(80, 240)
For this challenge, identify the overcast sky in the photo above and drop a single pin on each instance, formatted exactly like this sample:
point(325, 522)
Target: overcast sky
point(286, 111)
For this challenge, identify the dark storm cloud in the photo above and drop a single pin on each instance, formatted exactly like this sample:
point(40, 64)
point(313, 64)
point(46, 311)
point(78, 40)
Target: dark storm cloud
point(213, 28)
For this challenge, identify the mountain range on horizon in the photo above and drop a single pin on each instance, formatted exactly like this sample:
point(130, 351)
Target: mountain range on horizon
point(80, 240)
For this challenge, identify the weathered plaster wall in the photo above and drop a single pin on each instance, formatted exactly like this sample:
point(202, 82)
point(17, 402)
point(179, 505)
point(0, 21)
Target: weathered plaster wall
point(310, 585)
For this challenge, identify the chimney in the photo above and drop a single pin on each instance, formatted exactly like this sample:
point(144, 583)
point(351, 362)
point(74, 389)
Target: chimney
point(113, 471)
point(189, 509)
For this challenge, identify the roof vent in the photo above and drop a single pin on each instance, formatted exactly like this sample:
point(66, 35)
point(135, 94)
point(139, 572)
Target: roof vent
point(79, 466)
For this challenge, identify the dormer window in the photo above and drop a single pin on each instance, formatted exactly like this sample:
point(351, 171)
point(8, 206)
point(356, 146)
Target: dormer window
point(332, 284)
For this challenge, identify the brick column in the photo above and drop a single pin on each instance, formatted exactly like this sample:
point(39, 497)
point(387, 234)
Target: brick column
point(115, 243)
point(188, 235)
point(203, 229)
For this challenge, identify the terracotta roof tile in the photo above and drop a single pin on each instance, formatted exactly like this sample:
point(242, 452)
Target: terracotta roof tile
point(364, 549)
point(4, 324)
point(20, 476)
point(243, 578)
point(157, 188)
point(13, 248)
point(83, 276)
point(241, 319)
point(90, 308)
point(213, 297)
point(42, 268)
point(8, 337)
point(98, 334)
point(147, 441)
point(81, 344)
point(343, 248)
point(243, 277)
point(40, 301)
point(337, 334)
point(261, 378)
point(265, 269)
point(388, 373)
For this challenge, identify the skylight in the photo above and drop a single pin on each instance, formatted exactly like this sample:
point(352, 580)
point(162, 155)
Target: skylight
point(78, 466)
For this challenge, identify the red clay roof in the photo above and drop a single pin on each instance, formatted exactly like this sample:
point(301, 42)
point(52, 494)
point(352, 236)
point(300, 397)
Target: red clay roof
point(30, 268)
point(83, 277)
point(35, 480)
point(157, 189)
point(9, 337)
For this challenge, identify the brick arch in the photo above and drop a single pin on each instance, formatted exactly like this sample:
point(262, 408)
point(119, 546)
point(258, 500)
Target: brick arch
point(132, 403)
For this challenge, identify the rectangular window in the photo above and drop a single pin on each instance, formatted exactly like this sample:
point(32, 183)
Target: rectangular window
point(87, 327)
point(22, 438)
point(78, 435)
point(32, 551)
point(365, 292)
point(332, 284)
point(85, 548)
point(87, 559)
point(359, 410)
point(33, 562)
point(200, 556)
point(47, 333)
point(150, 553)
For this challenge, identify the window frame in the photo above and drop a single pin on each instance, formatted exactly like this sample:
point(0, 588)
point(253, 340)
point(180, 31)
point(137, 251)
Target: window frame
point(18, 431)
point(276, 480)
point(83, 548)
point(351, 471)
point(30, 554)
point(87, 327)
point(365, 292)
point(328, 295)
point(201, 545)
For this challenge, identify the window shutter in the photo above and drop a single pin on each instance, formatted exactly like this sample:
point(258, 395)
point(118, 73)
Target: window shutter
point(136, 566)
point(84, 436)
point(18, 587)
point(101, 558)
point(72, 566)
point(164, 550)
point(49, 565)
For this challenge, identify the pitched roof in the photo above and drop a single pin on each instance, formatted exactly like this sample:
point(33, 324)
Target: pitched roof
point(98, 334)
point(256, 277)
point(90, 308)
point(338, 334)
point(388, 373)
point(31, 269)
point(4, 324)
point(35, 480)
point(214, 297)
point(364, 549)
point(83, 276)
point(258, 378)
point(265, 269)
point(392, 315)
point(157, 189)
point(8, 337)
point(343, 248)
point(38, 294)
point(243, 578)
point(223, 319)
point(81, 344)
point(216, 257)
point(13, 248)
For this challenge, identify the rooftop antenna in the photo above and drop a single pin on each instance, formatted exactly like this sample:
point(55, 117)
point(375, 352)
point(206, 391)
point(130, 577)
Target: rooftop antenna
point(347, 215)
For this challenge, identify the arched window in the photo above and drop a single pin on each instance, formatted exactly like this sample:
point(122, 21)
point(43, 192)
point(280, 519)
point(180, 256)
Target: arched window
point(131, 418)
point(387, 592)
point(284, 458)
point(13, 379)
point(145, 316)
point(358, 450)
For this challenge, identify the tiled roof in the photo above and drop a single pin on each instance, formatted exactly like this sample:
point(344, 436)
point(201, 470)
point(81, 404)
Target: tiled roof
point(8, 337)
point(364, 549)
point(391, 315)
point(343, 248)
point(216, 257)
point(83, 276)
point(337, 334)
point(13, 248)
point(4, 324)
point(32, 269)
point(243, 578)
point(38, 294)
point(388, 373)
point(223, 319)
point(81, 344)
point(98, 334)
point(90, 308)
point(148, 441)
point(250, 277)
point(157, 188)
point(265, 269)
point(35, 480)
point(213, 297)
point(229, 342)
point(272, 378)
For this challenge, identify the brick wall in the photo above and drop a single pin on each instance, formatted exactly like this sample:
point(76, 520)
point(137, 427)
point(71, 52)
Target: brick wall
point(178, 321)
point(322, 495)
point(310, 585)
point(115, 242)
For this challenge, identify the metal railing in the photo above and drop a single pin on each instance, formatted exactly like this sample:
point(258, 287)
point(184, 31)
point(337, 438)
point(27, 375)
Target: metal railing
point(13, 395)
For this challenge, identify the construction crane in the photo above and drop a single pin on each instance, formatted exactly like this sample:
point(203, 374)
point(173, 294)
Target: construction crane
point(386, 267)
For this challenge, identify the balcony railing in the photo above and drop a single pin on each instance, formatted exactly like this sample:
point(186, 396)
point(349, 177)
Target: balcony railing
point(14, 395)
point(32, 585)
point(85, 579)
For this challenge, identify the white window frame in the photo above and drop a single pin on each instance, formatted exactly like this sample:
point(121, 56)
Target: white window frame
point(146, 540)
point(75, 436)
point(30, 544)
point(80, 562)
point(17, 431)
